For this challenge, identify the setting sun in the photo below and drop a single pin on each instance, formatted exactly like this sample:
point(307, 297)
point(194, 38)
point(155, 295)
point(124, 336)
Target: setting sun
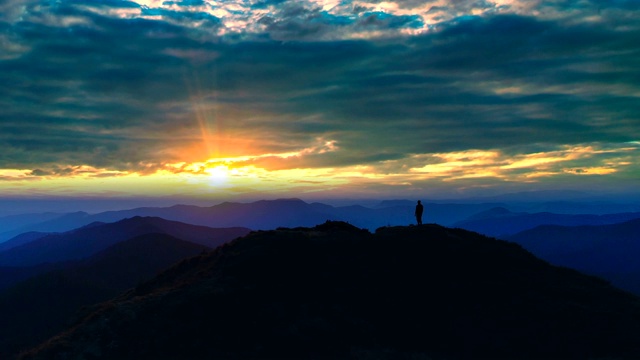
point(218, 175)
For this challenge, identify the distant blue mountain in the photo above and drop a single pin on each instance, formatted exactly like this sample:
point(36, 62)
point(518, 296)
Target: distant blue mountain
point(53, 223)
point(267, 215)
point(88, 240)
point(12, 222)
point(494, 219)
point(610, 251)
point(500, 222)
point(22, 239)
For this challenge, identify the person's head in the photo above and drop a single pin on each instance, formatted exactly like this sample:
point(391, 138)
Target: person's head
point(418, 201)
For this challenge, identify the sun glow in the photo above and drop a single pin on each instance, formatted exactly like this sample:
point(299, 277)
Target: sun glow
point(298, 172)
point(218, 175)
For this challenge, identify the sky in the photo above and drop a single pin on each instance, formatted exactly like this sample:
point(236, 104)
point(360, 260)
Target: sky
point(337, 98)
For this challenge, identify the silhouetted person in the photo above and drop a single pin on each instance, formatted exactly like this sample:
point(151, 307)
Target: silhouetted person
point(418, 213)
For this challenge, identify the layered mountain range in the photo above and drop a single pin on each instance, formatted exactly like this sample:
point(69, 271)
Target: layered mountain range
point(340, 292)
point(44, 282)
point(501, 222)
point(259, 215)
point(610, 251)
point(493, 219)
point(52, 276)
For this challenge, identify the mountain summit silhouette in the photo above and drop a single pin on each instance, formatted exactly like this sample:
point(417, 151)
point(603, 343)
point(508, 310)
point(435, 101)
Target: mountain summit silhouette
point(334, 291)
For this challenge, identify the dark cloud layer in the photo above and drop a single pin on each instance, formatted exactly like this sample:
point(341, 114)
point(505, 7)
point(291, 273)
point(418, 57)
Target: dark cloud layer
point(84, 87)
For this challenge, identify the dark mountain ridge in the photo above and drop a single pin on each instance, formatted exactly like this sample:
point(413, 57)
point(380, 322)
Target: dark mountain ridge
point(40, 307)
point(88, 240)
point(10, 275)
point(610, 251)
point(338, 292)
point(22, 239)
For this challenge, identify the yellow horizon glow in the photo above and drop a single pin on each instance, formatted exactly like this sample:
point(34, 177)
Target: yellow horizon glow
point(269, 172)
point(237, 174)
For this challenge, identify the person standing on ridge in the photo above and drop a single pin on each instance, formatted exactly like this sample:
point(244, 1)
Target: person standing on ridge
point(418, 212)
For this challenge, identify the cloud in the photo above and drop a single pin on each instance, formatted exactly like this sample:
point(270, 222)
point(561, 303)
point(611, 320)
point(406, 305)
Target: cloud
point(185, 3)
point(130, 87)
